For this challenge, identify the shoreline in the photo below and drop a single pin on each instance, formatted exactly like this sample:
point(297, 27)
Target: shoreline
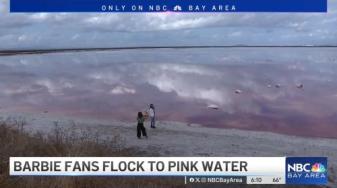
point(106, 121)
point(13, 52)
point(43, 122)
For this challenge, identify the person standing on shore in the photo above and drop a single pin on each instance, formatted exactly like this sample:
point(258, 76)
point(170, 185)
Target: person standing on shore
point(140, 125)
point(152, 115)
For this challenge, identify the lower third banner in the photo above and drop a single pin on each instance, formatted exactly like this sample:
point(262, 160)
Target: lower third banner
point(229, 170)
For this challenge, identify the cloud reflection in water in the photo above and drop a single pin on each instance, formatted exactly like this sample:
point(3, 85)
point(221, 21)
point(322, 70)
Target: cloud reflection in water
point(182, 83)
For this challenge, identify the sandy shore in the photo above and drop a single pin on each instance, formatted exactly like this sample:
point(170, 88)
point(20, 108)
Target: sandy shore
point(180, 139)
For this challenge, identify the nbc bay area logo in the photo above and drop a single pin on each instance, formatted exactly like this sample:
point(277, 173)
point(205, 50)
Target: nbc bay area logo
point(306, 170)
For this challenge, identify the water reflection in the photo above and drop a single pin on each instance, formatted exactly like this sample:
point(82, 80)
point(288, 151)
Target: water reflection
point(182, 83)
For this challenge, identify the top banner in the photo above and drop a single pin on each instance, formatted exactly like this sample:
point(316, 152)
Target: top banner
point(168, 5)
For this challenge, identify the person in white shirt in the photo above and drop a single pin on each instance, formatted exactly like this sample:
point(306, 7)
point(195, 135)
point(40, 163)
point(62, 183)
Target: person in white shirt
point(152, 115)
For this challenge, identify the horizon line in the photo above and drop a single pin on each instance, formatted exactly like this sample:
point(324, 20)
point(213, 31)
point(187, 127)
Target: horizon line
point(61, 50)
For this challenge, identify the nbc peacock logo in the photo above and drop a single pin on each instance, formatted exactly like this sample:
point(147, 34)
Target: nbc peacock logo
point(318, 167)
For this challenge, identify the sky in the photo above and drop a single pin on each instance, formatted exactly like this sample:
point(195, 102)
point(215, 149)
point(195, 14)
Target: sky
point(74, 30)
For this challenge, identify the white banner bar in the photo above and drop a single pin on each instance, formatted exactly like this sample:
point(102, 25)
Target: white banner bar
point(149, 166)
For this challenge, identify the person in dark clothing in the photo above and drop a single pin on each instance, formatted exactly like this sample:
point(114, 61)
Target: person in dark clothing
point(140, 125)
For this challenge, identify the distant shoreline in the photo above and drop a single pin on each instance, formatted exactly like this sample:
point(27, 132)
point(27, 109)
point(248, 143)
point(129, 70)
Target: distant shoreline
point(62, 50)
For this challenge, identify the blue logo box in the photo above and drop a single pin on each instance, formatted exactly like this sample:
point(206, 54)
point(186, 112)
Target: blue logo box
point(307, 170)
point(168, 5)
